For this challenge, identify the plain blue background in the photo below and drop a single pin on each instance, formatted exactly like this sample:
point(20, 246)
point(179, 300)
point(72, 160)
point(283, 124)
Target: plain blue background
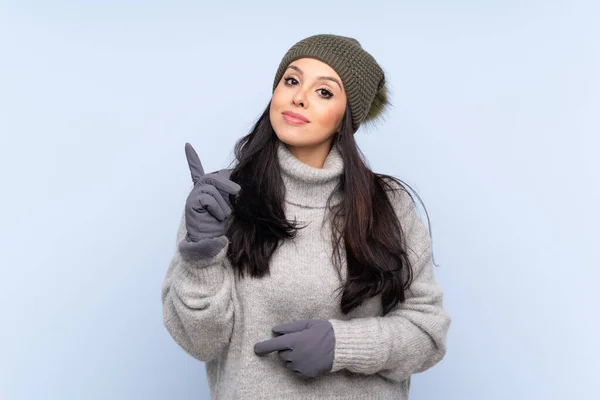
point(495, 124)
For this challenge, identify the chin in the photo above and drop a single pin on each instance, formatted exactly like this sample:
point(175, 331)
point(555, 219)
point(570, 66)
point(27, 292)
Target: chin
point(288, 134)
point(295, 137)
point(298, 136)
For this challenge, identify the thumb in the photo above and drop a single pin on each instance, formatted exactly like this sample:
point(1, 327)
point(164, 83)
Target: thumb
point(291, 327)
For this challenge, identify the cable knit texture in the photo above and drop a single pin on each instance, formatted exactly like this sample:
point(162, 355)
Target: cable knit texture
point(217, 318)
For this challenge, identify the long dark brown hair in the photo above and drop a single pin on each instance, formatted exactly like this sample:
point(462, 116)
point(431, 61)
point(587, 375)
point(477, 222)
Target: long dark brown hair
point(364, 223)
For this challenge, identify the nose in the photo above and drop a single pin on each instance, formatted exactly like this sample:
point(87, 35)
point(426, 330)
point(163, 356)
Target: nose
point(300, 99)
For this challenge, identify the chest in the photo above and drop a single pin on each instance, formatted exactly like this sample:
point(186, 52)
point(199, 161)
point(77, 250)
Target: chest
point(304, 282)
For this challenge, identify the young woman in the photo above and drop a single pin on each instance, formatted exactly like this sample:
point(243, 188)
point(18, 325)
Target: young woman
point(301, 273)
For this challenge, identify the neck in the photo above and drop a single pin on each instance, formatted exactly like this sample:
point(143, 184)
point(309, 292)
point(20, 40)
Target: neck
point(313, 156)
point(306, 185)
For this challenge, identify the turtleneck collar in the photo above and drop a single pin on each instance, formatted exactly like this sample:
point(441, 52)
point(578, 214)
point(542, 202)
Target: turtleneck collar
point(308, 186)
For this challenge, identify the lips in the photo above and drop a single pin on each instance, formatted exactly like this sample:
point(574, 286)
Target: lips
point(295, 118)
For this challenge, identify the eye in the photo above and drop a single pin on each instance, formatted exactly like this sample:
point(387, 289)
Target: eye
point(289, 81)
point(326, 94)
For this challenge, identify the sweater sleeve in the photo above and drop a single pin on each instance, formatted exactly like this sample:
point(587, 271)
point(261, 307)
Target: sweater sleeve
point(412, 337)
point(197, 296)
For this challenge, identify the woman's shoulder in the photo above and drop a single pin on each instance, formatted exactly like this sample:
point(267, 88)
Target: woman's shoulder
point(402, 200)
point(398, 192)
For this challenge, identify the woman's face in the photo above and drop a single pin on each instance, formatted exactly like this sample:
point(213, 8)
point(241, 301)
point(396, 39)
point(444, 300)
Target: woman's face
point(308, 104)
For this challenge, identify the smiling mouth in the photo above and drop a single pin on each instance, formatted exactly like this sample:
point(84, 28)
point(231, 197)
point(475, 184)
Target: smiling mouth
point(293, 120)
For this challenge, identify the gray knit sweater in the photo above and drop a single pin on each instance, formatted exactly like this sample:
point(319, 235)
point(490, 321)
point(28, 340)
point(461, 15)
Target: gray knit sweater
point(217, 318)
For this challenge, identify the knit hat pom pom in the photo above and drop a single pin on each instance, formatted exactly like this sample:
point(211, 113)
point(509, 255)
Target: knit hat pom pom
point(379, 105)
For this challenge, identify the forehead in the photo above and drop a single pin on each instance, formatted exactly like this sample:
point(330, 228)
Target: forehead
point(314, 67)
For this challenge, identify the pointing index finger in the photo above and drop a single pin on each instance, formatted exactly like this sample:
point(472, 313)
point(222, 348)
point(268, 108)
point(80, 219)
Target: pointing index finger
point(283, 342)
point(194, 162)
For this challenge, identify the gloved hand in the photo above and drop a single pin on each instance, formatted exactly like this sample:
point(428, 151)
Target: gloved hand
point(207, 206)
point(307, 346)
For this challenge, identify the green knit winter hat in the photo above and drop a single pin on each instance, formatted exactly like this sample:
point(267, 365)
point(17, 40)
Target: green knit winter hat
point(363, 78)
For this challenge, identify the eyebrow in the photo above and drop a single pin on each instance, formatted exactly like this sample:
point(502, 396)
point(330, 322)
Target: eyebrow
point(328, 78)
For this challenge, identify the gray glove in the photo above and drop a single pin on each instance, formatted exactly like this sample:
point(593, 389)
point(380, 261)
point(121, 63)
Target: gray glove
point(306, 346)
point(207, 206)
